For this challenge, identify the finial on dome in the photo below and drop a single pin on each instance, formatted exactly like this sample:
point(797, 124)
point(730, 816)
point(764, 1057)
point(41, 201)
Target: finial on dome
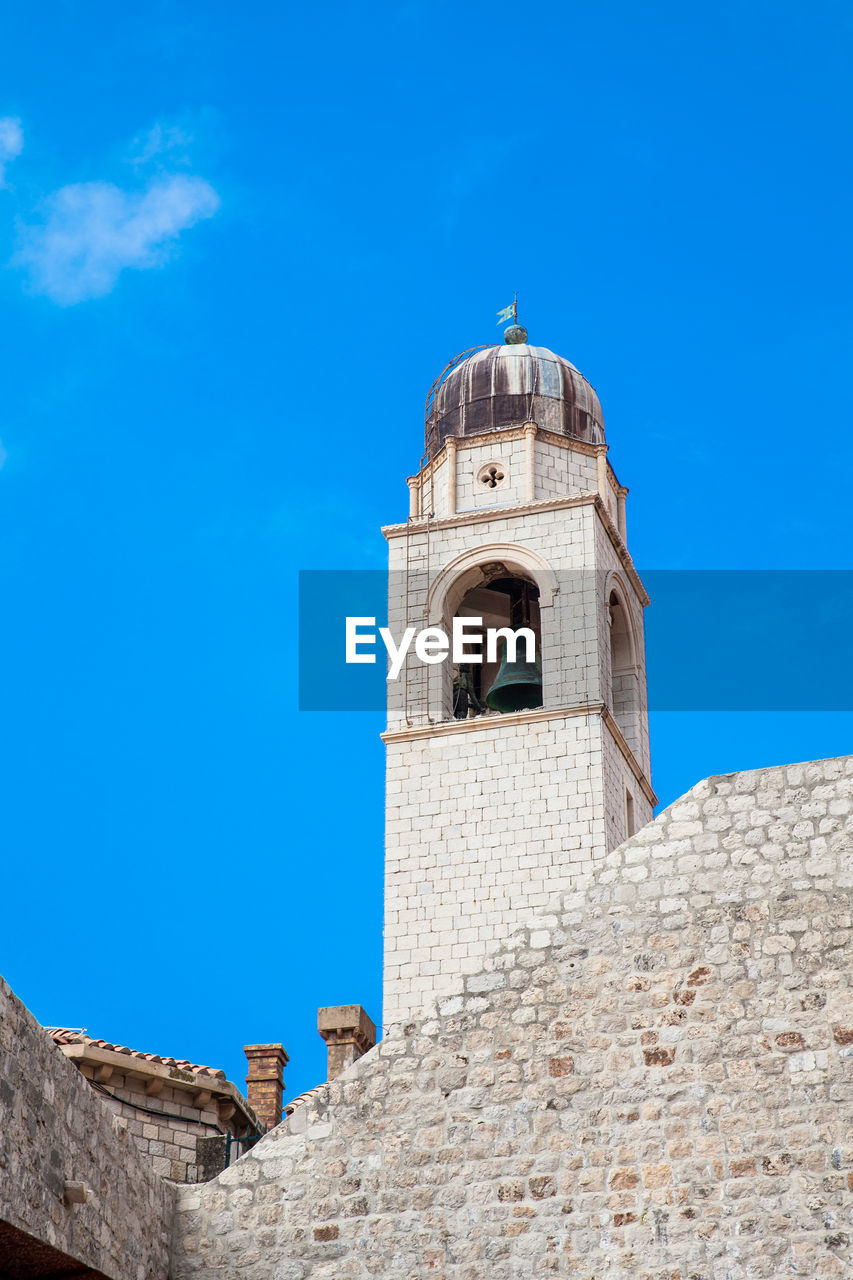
point(515, 333)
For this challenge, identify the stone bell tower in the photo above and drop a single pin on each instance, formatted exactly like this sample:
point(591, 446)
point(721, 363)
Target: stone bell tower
point(491, 814)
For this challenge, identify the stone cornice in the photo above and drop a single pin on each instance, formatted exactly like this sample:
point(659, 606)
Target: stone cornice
point(622, 551)
point(630, 759)
point(481, 515)
point(484, 515)
point(487, 438)
point(444, 728)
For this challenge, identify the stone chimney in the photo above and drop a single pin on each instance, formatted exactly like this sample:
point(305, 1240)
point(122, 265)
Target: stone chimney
point(265, 1081)
point(348, 1033)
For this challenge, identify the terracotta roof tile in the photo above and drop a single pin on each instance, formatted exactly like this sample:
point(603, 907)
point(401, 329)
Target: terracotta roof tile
point(301, 1098)
point(77, 1035)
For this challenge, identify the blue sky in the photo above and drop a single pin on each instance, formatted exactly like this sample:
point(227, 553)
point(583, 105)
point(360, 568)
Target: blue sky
point(237, 245)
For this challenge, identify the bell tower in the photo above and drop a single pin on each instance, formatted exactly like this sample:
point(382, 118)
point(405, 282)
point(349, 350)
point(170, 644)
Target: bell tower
point(508, 782)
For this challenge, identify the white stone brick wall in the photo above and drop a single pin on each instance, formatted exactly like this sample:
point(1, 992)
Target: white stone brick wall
point(163, 1127)
point(611, 502)
point(509, 456)
point(619, 782)
point(562, 471)
point(482, 828)
point(433, 492)
point(482, 824)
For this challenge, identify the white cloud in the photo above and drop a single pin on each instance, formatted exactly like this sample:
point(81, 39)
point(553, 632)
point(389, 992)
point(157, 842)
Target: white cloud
point(11, 143)
point(162, 140)
point(94, 230)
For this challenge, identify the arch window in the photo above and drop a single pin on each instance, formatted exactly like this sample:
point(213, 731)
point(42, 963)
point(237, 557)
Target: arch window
point(624, 673)
point(502, 600)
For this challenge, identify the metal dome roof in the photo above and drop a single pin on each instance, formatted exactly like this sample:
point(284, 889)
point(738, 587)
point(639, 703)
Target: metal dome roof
point(504, 386)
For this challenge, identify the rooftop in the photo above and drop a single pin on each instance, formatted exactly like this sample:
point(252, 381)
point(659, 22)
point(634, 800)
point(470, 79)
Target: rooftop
point(77, 1035)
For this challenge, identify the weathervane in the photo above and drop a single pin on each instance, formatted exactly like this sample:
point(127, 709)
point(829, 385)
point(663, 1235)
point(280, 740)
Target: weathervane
point(515, 333)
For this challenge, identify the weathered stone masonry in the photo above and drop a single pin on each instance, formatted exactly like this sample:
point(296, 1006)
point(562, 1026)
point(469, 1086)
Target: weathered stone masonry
point(54, 1130)
point(176, 1111)
point(654, 1079)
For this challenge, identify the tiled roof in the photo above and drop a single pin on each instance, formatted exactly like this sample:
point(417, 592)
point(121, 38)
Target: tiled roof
point(77, 1035)
point(301, 1098)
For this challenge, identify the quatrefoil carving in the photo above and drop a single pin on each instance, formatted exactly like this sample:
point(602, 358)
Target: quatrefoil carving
point(492, 475)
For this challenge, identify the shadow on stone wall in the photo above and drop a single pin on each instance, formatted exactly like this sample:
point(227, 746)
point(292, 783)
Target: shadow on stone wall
point(54, 1130)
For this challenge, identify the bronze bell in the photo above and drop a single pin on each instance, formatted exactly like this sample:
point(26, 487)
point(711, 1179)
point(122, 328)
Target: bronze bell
point(518, 687)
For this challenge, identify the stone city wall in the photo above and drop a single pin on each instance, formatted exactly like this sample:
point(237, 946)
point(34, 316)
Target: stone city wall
point(653, 1082)
point(54, 1130)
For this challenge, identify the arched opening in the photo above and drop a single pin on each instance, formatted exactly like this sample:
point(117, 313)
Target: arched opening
point(624, 677)
point(502, 600)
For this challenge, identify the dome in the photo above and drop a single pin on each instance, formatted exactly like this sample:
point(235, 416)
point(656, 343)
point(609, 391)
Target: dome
point(504, 386)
